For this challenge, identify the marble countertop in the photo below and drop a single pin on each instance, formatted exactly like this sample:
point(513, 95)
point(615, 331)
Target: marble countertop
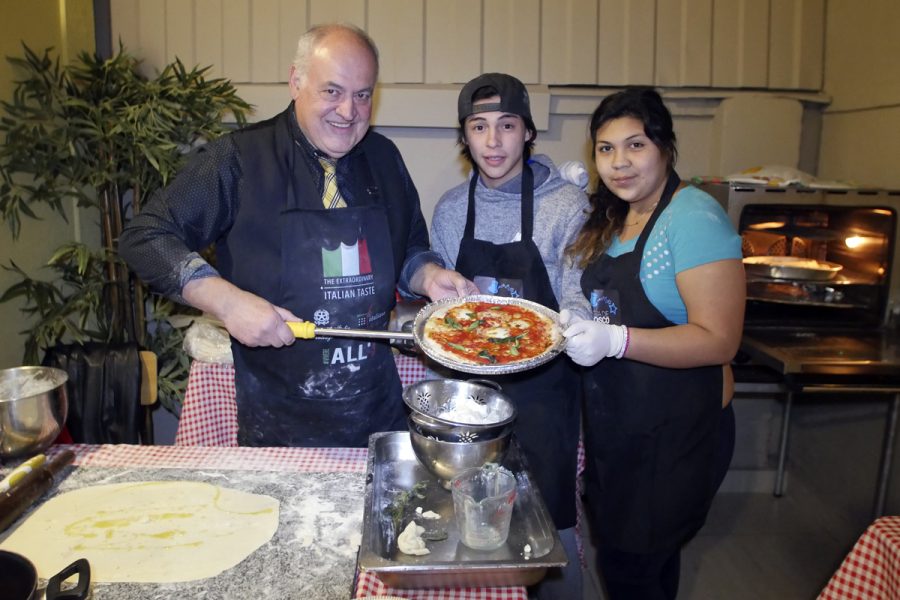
point(312, 554)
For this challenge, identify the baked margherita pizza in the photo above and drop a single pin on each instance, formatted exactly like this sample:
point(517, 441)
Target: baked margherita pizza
point(484, 333)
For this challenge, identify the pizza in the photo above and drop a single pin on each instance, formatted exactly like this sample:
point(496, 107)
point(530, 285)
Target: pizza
point(486, 333)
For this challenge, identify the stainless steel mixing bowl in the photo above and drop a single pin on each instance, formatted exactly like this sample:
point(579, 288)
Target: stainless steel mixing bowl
point(33, 409)
point(457, 433)
point(446, 460)
point(428, 399)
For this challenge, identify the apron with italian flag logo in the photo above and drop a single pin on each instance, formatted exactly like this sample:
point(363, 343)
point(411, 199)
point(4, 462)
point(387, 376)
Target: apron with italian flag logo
point(337, 270)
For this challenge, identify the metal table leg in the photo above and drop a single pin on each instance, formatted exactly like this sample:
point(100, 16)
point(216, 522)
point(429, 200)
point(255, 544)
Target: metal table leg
point(783, 446)
point(887, 455)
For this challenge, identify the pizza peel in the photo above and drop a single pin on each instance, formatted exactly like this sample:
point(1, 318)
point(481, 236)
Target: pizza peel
point(309, 330)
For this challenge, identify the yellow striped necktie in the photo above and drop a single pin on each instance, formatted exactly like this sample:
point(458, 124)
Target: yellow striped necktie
point(331, 195)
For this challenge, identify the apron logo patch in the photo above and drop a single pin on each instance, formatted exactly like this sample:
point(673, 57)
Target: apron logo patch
point(604, 307)
point(343, 355)
point(506, 288)
point(347, 272)
point(321, 317)
point(347, 261)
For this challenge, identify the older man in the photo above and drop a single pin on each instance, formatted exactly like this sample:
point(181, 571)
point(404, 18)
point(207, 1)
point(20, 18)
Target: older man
point(315, 218)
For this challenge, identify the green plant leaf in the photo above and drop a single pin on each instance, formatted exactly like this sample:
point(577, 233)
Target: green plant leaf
point(98, 133)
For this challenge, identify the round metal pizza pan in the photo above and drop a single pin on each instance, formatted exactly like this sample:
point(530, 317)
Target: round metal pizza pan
point(488, 369)
point(789, 267)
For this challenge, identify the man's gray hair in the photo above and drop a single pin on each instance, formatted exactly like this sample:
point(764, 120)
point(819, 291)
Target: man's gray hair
point(310, 40)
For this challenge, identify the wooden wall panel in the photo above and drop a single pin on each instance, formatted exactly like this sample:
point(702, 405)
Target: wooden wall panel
point(123, 18)
point(291, 25)
point(338, 11)
point(452, 40)
point(236, 49)
point(812, 45)
point(209, 45)
point(152, 35)
point(512, 38)
point(264, 43)
point(179, 32)
point(740, 43)
point(398, 28)
point(568, 42)
point(683, 42)
point(626, 42)
point(796, 44)
point(776, 44)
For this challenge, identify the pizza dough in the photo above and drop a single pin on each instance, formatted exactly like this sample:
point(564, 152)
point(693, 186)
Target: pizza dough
point(148, 532)
point(410, 540)
point(483, 333)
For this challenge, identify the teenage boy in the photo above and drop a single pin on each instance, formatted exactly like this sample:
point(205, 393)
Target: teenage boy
point(507, 229)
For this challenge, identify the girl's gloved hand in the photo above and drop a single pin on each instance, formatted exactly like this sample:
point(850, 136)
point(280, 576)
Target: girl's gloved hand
point(589, 342)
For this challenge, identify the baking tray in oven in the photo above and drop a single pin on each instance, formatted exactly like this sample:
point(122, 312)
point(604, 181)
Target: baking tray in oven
point(791, 267)
point(393, 470)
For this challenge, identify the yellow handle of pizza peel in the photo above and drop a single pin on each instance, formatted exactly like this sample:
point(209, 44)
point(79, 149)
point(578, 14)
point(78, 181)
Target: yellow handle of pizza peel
point(305, 330)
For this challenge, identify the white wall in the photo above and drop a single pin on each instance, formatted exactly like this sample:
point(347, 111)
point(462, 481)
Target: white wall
point(861, 127)
point(718, 134)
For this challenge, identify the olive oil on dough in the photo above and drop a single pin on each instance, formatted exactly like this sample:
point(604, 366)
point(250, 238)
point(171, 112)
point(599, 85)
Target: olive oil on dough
point(151, 532)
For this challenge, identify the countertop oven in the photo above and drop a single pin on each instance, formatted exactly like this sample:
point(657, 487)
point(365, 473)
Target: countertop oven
point(823, 298)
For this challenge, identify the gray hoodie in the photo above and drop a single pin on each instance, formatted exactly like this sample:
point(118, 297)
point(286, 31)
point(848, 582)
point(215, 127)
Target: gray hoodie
point(560, 211)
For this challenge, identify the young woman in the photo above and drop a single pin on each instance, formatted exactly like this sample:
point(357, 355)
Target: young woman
point(665, 281)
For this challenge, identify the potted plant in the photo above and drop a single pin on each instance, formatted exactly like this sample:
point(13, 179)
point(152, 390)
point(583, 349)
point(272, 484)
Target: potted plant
point(100, 133)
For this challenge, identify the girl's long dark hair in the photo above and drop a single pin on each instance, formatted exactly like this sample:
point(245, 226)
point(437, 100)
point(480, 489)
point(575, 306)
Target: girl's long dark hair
point(608, 212)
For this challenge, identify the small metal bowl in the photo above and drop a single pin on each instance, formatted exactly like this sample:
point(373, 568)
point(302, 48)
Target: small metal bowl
point(427, 400)
point(33, 409)
point(446, 460)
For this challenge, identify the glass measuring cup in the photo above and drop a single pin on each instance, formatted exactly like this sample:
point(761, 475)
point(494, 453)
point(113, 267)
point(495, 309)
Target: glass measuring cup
point(483, 500)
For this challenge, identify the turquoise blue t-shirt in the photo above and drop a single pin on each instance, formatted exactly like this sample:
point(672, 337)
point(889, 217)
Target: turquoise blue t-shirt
point(692, 230)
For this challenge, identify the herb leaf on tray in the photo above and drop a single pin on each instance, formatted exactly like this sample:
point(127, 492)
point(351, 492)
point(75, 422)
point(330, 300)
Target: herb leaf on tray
point(397, 510)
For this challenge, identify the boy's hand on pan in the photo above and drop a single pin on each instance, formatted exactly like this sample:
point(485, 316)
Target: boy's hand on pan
point(436, 283)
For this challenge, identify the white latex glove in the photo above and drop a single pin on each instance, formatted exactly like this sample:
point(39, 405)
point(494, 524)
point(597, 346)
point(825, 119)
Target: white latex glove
point(574, 172)
point(589, 342)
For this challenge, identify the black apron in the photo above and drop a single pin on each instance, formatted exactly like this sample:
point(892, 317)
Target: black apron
point(336, 269)
point(650, 432)
point(547, 397)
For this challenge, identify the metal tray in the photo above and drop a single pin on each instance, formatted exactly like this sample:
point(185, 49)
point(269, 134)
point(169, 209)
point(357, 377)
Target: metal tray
point(394, 470)
point(514, 367)
point(790, 267)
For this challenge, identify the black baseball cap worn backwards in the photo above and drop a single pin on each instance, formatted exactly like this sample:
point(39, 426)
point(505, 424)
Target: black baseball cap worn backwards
point(512, 92)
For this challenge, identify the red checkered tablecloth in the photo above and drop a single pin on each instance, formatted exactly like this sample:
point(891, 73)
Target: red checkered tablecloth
point(369, 586)
point(300, 460)
point(209, 413)
point(872, 569)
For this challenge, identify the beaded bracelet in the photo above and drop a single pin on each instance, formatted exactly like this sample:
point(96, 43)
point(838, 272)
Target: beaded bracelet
point(627, 335)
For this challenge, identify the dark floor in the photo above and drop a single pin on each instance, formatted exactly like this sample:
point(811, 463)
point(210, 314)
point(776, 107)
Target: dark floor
point(755, 546)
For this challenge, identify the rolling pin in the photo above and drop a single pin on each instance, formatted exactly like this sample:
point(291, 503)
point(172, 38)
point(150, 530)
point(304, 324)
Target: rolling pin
point(31, 487)
point(21, 471)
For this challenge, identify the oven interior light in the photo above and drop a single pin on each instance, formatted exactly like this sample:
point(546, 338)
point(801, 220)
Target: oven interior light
point(858, 241)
